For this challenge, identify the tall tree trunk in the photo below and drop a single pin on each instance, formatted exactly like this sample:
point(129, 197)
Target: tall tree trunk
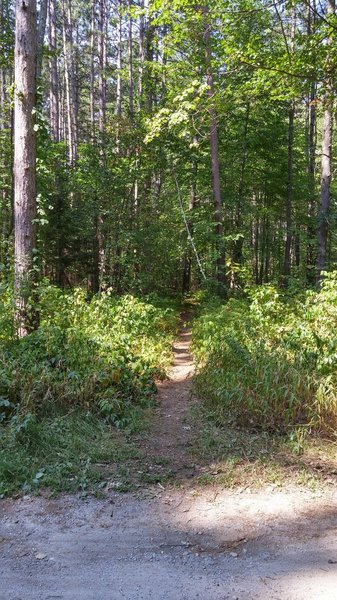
point(69, 74)
point(119, 75)
point(25, 163)
point(218, 208)
point(238, 244)
point(101, 72)
point(40, 36)
point(130, 63)
point(289, 201)
point(102, 27)
point(53, 73)
point(311, 162)
point(324, 207)
point(187, 265)
point(92, 70)
point(141, 53)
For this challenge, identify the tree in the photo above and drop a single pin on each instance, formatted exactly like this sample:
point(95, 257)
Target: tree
point(25, 163)
point(324, 207)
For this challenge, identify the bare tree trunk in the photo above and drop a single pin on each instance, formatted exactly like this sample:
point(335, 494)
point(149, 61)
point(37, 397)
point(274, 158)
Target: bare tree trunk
point(130, 63)
point(69, 80)
point(187, 265)
point(2, 98)
point(25, 163)
point(238, 243)
point(102, 26)
point(141, 53)
point(289, 201)
point(324, 208)
point(119, 75)
point(53, 74)
point(102, 67)
point(218, 209)
point(40, 35)
point(92, 70)
point(311, 162)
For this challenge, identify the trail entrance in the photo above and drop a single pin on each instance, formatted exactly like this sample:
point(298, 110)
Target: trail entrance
point(172, 543)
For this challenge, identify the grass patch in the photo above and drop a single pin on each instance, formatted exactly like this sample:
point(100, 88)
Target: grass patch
point(238, 458)
point(63, 453)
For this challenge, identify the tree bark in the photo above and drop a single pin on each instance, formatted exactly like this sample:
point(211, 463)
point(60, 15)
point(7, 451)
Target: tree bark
point(238, 244)
point(324, 208)
point(130, 63)
point(218, 208)
point(311, 161)
point(40, 36)
point(101, 73)
point(69, 74)
point(53, 74)
point(92, 70)
point(25, 164)
point(119, 76)
point(289, 201)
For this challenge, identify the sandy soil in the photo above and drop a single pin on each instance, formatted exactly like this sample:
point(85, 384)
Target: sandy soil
point(184, 543)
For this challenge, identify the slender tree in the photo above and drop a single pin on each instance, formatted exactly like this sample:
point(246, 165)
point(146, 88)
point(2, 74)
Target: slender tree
point(324, 207)
point(25, 162)
point(218, 208)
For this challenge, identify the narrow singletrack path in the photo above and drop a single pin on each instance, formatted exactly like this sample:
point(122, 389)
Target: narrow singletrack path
point(172, 431)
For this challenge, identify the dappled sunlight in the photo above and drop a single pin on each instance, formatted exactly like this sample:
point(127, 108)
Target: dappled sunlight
point(266, 541)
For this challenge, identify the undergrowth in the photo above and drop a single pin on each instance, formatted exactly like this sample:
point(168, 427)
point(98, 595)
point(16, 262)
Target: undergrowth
point(63, 453)
point(91, 364)
point(270, 363)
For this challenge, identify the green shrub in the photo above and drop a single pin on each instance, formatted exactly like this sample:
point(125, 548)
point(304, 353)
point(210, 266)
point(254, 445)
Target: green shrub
point(271, 363)
point(101, 354)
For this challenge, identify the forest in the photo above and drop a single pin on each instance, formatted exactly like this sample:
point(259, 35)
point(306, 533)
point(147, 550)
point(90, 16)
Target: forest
point(158, 156)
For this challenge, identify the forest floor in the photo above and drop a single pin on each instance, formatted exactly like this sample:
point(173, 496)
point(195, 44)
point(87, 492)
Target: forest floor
point(171, 537)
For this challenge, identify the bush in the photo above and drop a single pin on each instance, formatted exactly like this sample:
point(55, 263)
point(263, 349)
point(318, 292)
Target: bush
point(271, 363)
point(101, 354)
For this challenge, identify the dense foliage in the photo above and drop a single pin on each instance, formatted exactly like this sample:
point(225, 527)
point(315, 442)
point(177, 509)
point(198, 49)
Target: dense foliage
point(124, 130)
point(271, 363)
point(91, 363)
point(101, 354)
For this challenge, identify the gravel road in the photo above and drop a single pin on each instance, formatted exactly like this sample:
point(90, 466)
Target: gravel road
point(175, 544)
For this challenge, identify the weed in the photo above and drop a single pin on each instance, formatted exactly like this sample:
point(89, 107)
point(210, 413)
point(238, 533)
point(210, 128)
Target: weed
point(59, 453)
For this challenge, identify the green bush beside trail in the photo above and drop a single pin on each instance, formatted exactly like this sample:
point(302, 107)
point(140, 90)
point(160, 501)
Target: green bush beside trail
point(90, 365)
point(101, 354)
point(271, 363)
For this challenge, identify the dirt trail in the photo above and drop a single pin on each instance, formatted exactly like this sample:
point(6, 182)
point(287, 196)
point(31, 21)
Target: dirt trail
point(172, 544)
point(171, 430)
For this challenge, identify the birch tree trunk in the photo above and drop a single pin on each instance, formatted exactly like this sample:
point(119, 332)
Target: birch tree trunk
point(25, 164)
